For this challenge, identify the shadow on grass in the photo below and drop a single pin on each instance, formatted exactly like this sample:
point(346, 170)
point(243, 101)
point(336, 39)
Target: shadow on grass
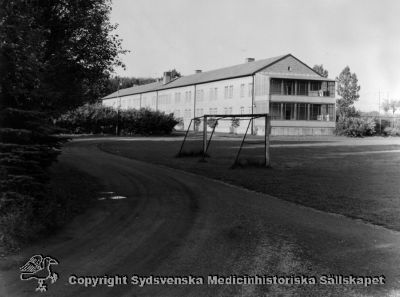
point(191, 154)
point(250, 163)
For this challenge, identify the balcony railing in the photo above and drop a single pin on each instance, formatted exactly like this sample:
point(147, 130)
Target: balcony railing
point(288, 87)
point(302, 111)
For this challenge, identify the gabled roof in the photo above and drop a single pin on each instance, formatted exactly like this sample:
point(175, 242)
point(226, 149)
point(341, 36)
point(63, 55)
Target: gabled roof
point(240, 70)
point(223, 73)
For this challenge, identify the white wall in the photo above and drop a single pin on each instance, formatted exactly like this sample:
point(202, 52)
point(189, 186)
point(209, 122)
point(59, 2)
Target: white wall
point(236, 102)
point(131, 101)
point(210, 99)
point(234, 96)
point(179, 101)
point(111, 102)
point(149, 100)
point(261, 93)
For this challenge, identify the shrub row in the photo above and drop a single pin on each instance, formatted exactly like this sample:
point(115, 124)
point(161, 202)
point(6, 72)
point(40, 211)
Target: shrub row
point(356, 127)
point(391, 131)
point(98, 119)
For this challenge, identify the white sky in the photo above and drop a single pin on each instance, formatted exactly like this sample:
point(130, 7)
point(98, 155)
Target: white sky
point(210, 34)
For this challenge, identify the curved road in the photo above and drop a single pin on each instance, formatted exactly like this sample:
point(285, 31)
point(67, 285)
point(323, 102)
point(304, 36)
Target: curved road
point(173, 223)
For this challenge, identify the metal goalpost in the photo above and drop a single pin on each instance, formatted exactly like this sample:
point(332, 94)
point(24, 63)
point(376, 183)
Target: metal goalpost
point(217, 117)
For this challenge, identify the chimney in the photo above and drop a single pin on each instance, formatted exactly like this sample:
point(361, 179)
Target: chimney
point(167, 77)
point(248, 60)
point(198, 71)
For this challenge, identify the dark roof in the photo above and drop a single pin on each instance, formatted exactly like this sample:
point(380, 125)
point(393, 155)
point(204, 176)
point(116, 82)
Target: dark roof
point(240, 70)
point(223, 73)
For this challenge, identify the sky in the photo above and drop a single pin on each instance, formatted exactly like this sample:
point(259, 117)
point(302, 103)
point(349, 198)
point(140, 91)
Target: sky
point(211, 34)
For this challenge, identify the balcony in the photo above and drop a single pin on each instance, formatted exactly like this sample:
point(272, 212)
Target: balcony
point(302, 112)
point(305, 88)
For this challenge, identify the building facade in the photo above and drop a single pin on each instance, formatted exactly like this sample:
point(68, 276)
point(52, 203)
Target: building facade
point(299, 100)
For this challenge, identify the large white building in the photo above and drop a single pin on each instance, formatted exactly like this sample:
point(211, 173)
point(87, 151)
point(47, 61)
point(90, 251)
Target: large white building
point(299, 100)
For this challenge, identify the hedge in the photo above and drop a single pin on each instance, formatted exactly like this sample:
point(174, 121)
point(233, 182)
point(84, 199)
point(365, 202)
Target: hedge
point(356, 127)
point(391, 131)
point(98, 119)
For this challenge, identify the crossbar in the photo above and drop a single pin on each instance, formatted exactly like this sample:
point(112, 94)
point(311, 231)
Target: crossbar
point(255, 115)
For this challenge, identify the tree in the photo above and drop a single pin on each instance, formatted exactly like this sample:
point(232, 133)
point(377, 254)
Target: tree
point(386, 105)
point(55, 55)
point(175, 74)
point(115, 83)
point(348, 90)
point(391, 104)
point(373, 113)
point(320, 70)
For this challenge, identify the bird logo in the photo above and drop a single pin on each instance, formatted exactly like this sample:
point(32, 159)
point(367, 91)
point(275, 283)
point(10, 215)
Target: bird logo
point(38, 267)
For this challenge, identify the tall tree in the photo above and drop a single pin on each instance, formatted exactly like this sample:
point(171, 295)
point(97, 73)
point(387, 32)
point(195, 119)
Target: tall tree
point(386, 105)
point(348, 91)
point(175, 73)
point(115, 83)
point(320, 70)
point(55, 54)
point(392, 105)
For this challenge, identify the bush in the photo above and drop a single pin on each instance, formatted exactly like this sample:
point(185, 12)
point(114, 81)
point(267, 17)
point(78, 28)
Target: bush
point(235, 123)
point(389, 131)
point(90, 119)
point(355, 127)
point(147, 122)
point(180, 124)
point(381, 125)
point(197, 123)
point(96, 118)
point(212, 123)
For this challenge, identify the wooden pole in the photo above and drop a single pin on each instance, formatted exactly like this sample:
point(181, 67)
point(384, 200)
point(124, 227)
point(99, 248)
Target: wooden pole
point(252, 104)
point(184, 139)
point(380, 119)
point(241, 144)
point(266, 141)
point(204, 136)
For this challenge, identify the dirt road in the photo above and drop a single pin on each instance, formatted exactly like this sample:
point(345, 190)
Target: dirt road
point(173, 223)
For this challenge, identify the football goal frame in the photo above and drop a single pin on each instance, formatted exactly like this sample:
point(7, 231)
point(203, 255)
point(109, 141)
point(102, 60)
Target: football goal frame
point(218, 117)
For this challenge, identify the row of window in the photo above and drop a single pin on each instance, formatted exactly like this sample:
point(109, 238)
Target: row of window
point(277, 87)
point(212, 94)
point(302, 111)
point(128, 102)
point(212, 110)
point(278, 111)
point(164, 99)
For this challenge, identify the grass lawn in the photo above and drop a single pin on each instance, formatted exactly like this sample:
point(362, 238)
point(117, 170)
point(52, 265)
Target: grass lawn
point(359, 178)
